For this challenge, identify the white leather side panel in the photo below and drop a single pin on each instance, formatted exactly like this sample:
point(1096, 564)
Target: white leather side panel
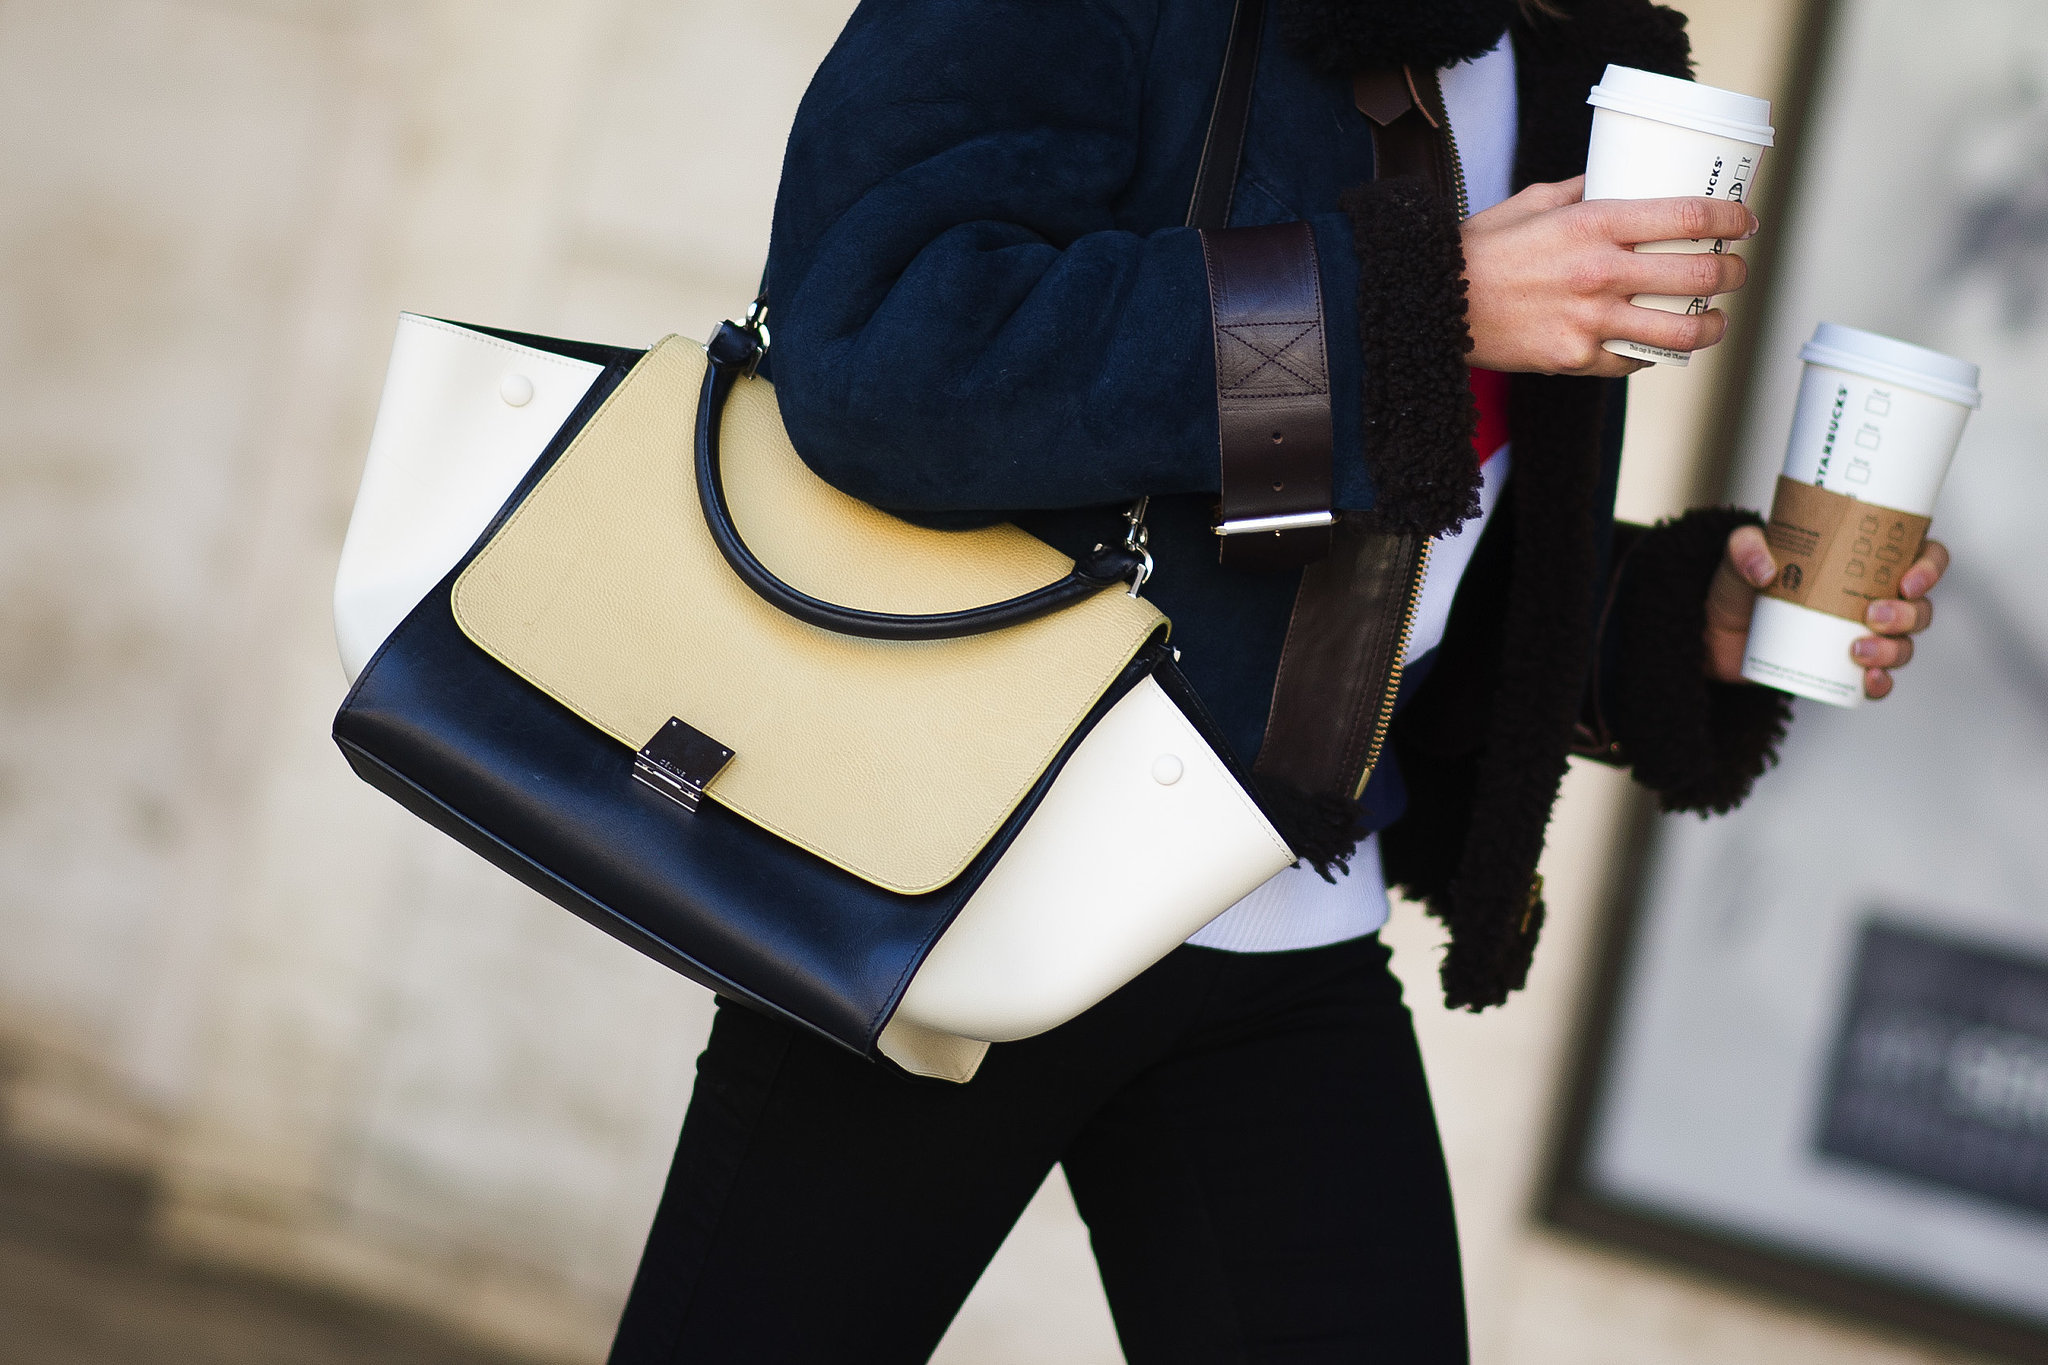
point(1117, 867)
point(452, 440)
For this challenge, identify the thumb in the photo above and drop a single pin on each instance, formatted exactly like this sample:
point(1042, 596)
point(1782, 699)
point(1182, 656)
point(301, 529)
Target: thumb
point(1556, 194)
point(1541, 197)
point(1746, 568)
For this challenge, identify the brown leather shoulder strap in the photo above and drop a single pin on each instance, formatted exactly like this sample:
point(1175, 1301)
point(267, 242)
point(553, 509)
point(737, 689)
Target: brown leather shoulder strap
point(1265, 298)
point(1341, 657)
point(1229, 115)
point(1406, 109)
point(1340, 668)
point(1272, 395)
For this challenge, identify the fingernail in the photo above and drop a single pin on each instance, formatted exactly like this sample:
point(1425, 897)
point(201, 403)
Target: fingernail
point(1884, 614)
point(1761, 571)
point(1755, 227)
point(1914, 585)
point(1865, 651)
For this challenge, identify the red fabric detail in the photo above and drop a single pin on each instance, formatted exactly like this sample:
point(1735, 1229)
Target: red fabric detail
point(1490, 391)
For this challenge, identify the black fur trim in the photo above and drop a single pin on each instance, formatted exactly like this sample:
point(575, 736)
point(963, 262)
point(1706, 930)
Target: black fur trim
point(1321, 829)
point(1699, 744)
point(1484, 775)
point(1491, 906)
point(1419, 412)
point(1339, 37)
point(1557, 60)
point(1489, 899)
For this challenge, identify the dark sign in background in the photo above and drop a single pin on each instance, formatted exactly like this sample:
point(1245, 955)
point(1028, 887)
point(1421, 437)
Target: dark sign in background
point(1941, 1068)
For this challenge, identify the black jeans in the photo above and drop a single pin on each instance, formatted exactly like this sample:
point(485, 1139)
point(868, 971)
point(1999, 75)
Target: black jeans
point(1249, 1138)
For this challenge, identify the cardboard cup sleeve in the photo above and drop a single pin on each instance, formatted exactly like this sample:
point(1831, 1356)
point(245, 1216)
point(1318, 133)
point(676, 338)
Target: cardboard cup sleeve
point(1837, 554)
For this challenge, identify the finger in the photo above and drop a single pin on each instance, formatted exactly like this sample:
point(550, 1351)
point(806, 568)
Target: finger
point(1672, 331)
point(1630, 221)
point(1894, 617)
point(1877, 684)
point(1604, 364)
point(1536, 199)
point(1571, 352)
point(1750, 553)
point(1700, 274)
point(1746, 565)
point(1554, 194)
point(1883, 651)
point(1926, 571)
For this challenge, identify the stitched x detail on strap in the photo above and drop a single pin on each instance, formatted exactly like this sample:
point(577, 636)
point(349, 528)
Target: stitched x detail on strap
point(1272, 394)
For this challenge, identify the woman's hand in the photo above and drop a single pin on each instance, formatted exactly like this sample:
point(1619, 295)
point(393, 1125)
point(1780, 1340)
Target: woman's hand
point(1747, 568)
point(1550, 277)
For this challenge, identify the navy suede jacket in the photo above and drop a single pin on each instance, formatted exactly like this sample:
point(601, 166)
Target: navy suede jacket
point(985, 306)
point(984, 299)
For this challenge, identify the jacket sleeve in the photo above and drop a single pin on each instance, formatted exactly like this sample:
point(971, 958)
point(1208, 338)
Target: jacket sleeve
point(1699, 744)
point(960, 322)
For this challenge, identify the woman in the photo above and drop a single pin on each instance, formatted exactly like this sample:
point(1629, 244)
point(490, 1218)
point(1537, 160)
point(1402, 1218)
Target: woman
point(986, 307)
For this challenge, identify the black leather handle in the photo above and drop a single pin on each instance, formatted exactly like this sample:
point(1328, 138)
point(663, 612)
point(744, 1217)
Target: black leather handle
point(733, 352)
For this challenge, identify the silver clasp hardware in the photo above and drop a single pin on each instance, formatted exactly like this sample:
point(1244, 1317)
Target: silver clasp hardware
point(679, 762)
point(756, 326)
point(1291, 521)
point(1137, 536)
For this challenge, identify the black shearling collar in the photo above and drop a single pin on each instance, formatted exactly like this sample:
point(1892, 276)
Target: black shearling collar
point(1344, 36)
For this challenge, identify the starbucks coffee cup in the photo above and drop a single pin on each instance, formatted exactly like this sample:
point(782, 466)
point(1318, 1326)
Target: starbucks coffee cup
point(1876, 427)
point(1657, 137)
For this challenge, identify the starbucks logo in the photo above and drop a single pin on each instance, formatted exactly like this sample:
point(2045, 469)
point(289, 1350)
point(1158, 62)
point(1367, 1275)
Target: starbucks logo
point(1791, 578)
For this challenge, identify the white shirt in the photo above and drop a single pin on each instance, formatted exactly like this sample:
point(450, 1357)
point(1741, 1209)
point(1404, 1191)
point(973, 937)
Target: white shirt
point(1297, 908)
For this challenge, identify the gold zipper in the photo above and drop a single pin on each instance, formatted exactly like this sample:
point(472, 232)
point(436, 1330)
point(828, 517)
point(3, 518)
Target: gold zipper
point(1393, 692)
point(1457, 165)
point(1407, 631)
point(1439, 116)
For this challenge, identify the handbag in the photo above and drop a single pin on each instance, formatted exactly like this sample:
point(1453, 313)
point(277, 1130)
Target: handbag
point(916, 791)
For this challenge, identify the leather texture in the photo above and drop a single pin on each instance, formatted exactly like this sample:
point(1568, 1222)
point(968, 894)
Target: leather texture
point(734, 353)
point(1229, 116)
point(469, 747)
point(1336, 669)
point(460, 741)
point(604, 590)
point(1405, 107)
point(926, 1052)
point(1340, 665)
point(1144, 837)
point(1272, 389)
point(447, 450)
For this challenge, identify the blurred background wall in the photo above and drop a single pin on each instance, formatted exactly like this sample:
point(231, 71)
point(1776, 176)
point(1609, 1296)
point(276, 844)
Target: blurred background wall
point(343, 1052)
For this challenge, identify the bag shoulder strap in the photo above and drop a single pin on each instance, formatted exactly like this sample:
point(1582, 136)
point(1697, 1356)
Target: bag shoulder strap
point(1274, 427)
point(1341, 664)
point(1229, 117)
point(1406, 109)
point(1272, 354)
point(735, 351)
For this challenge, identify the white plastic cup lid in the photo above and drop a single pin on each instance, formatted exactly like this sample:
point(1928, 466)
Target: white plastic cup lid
point(1685, 104)
point(1896, 362)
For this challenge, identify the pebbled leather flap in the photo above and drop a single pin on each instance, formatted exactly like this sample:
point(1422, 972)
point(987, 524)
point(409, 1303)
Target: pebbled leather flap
point(896, 761)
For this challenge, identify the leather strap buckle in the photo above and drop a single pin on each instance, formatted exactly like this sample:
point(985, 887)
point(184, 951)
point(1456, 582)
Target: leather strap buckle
point(1272, 395)
point(1286, 521)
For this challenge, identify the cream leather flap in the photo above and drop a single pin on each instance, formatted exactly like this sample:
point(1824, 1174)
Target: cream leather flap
point(894, 760)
